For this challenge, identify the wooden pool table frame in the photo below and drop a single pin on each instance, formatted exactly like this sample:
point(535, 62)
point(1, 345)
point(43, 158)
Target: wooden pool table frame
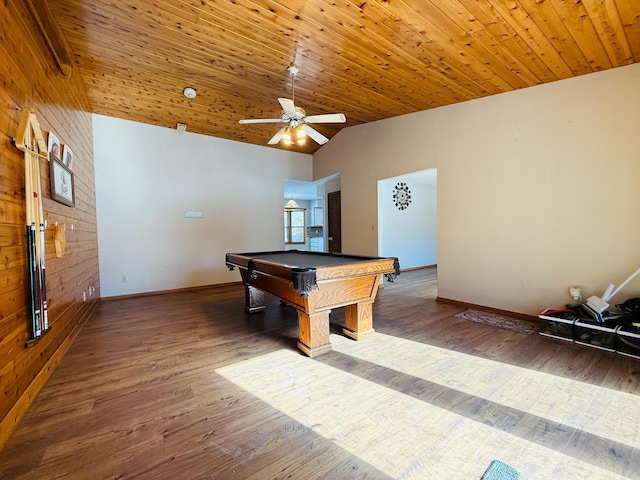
point(315, 291)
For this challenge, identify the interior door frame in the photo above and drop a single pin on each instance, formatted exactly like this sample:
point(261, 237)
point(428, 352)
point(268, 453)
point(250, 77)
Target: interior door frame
point(334, 222)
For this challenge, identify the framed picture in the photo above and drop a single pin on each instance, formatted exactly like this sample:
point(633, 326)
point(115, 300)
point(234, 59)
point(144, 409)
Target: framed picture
point(67, 156)
point(54, 146)
point(61, 183)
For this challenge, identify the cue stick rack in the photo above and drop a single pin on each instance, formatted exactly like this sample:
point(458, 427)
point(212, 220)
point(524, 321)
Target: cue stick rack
point(31, 142)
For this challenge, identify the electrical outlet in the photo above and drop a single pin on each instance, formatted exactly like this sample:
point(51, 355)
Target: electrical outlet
point(124, 279)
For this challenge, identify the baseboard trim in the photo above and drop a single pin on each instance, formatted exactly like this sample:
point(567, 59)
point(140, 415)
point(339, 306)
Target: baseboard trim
point(435, 265)
point(507, 313)
point(214, 285)
point(166, 292)
point(12, 419)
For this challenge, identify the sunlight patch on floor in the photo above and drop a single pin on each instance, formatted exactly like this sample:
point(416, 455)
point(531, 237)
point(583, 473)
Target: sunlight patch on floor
point(400, 435)
point(593, 409)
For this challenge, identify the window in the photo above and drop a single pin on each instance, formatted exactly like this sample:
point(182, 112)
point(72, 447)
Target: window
point(294, 226)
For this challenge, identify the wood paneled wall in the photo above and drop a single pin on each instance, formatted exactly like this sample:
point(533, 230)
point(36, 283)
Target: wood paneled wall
point(30, 78)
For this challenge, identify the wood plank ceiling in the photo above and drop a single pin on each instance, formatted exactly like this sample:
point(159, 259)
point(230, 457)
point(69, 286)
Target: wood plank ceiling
point(367, 59)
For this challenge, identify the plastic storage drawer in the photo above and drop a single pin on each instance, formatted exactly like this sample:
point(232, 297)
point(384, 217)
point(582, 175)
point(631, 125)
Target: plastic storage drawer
point(556, 327)
point(595, 335)
point(628, 342)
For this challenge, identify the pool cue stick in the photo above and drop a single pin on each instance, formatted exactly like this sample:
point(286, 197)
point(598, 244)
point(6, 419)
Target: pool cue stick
point(37, 207)
point(36, 287)
point(37, 195)
point(43, 282)
point(35, 314)
point(40, 245)
point(32, 161)
point(36, 328)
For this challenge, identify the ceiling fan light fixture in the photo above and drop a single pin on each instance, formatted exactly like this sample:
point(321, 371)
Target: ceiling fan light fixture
point(298, 128)
point(301, 136)
point(287, 136)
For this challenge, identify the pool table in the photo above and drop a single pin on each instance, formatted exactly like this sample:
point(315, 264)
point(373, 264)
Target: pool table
point(314, 283)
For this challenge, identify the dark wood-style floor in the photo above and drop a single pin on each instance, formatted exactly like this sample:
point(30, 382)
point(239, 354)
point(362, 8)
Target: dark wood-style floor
point(187, 386)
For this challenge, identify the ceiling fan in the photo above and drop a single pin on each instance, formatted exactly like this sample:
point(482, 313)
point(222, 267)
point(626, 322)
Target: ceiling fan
point(297, 120)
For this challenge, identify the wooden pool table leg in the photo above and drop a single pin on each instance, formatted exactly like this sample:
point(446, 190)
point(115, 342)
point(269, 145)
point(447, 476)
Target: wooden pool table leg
point(358, 320)
point(314, 332)
point(253, 299)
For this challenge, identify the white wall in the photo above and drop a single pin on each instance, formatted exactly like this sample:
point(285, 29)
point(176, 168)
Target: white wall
point(538, 189)
point(148, 176)
point(409, 234)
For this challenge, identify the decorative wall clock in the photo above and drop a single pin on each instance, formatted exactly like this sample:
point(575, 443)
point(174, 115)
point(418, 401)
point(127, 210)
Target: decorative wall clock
point(401, 196)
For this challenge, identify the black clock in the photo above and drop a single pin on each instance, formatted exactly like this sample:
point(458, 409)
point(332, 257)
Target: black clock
point(401, 196)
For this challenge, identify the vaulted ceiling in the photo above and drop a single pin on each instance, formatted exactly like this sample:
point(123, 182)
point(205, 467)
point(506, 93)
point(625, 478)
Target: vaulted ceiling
point(367, 59)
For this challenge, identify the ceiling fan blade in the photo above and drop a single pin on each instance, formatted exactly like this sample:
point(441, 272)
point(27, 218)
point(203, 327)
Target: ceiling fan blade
point(261, 120)
point(326, 118)
point(288, 107)
point(276, 138)
point(317, 136)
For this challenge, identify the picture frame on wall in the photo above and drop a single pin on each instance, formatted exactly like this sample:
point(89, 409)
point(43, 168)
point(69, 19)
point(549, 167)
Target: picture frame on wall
point(61, 183)
point(67, 156)
point(53, 146)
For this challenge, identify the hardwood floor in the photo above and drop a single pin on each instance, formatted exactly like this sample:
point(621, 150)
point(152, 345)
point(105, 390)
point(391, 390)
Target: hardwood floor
point(187, 386)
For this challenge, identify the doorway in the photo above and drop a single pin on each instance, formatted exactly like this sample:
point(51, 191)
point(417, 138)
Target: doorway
point(407, 219)
point(313, 198)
